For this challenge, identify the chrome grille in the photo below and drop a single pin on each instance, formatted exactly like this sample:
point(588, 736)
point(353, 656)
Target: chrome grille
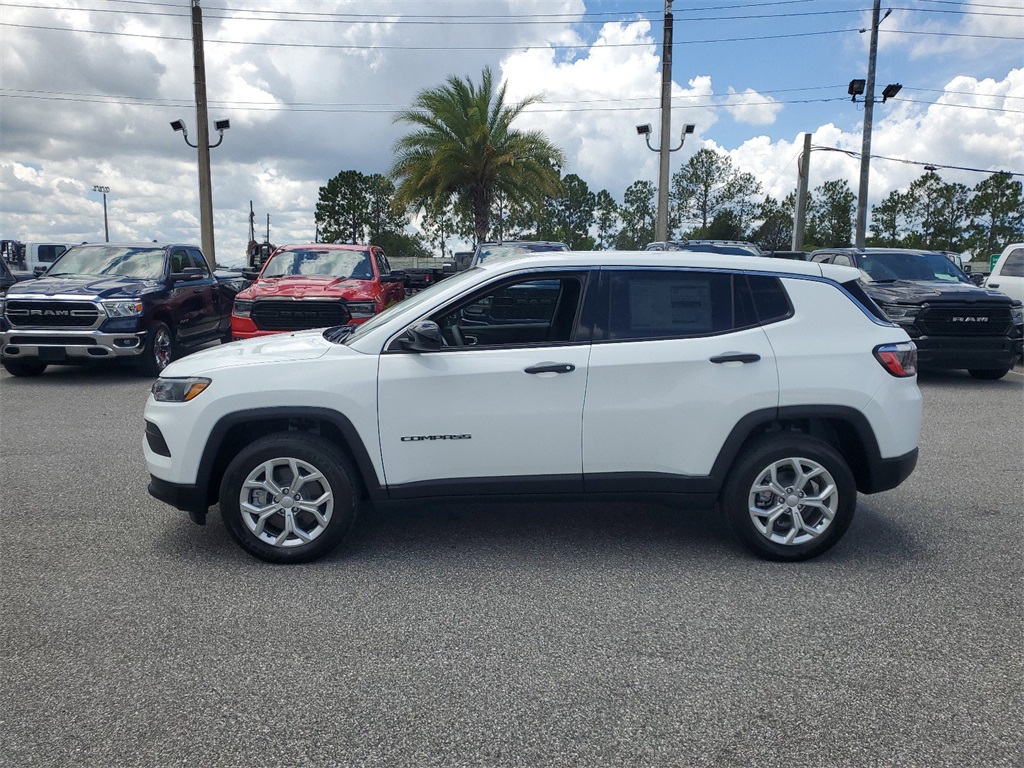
point(51, 314)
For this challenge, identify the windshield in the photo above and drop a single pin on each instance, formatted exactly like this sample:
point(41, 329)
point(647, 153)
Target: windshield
point(505, 250)
point(889, 267)
point(322, 262)
point(115, 260)
point(409, 305)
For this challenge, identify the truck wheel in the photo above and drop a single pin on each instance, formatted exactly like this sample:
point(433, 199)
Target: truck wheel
point(158, 351)
point(988, 374)
point(289, 497)
point(24, 367)
point(790, 497)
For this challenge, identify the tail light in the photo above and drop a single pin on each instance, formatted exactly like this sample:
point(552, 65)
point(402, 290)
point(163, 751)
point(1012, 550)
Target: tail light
point(900, 360)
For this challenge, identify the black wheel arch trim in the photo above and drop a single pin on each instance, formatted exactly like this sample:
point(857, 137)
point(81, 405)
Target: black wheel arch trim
point(354, 442)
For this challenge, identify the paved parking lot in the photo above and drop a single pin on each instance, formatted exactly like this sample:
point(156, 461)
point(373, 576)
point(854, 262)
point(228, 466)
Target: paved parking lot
point(505, 635)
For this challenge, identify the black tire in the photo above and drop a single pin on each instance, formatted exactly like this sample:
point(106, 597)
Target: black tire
point(24, 367)
point(283, 454)
point(988, 374)
point(158, 351)
point(835, 487)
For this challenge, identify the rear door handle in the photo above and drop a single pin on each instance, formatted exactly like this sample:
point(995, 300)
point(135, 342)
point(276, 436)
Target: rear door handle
point(551, 368)
point(736, 357)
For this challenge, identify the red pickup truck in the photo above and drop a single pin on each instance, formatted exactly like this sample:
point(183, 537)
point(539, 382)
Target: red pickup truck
point(314, 286)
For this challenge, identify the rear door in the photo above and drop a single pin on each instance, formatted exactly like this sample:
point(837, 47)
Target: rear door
point(678, 359)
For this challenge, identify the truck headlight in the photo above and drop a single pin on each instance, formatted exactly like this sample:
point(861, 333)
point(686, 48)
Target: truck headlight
point(242, 308)
point(178, 390)
point(123, 308)
point(362, 308)
point(1016, 313)
point(901, 314)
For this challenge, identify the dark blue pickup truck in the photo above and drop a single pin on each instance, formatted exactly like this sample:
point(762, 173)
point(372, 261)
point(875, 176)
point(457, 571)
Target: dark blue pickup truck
point(144, 303)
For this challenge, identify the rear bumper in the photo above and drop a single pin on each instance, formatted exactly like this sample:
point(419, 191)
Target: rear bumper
point(886, 474)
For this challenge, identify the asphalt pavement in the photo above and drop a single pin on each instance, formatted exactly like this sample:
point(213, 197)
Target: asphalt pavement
point(517, 634)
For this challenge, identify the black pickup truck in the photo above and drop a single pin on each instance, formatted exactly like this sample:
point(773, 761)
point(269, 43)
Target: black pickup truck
point(144, 303)
point(953, 322)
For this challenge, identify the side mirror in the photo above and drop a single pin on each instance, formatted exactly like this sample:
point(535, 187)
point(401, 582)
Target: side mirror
point(424, 336)
point(250, 273)
point(977, 278)
point(39, 271)
point(967, 269)
point(395, 276)
point(189, 273)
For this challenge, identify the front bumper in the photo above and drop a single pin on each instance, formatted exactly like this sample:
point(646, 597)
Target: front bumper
point(56, 346)
point(974, 352)
point(188, 498)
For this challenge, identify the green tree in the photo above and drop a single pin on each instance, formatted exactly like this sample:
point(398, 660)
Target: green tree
point(708, 184)
point(343, 208)
point(997, 214)
point(830, 221)
point(607, 215)
point(573, 214)
point(638, 215)
point(463, 143)
point(926, 212)
point(382, 215)
point(890, 220)
point(776, 230)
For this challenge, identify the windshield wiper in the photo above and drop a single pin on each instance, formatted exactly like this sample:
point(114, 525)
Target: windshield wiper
point(338, 332)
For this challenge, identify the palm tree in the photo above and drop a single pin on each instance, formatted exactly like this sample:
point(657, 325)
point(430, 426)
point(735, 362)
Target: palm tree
point(464, 145)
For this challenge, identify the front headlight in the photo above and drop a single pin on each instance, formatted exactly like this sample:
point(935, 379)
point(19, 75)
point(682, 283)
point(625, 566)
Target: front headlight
point(242, 308)
point(901, 314)
point(1016, 314)
point(178, 390)
point(123, 308)
point(362, 308)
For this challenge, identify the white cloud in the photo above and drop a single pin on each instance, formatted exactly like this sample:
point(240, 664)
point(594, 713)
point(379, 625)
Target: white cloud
point(751, 107)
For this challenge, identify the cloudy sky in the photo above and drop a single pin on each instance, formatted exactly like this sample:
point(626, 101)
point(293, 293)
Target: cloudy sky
point(88, 89)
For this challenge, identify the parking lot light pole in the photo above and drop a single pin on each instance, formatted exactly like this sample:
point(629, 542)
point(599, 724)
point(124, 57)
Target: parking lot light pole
point(104, 190)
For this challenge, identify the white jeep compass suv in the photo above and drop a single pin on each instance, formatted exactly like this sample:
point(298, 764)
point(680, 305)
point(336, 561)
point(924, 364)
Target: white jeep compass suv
point(776, 389)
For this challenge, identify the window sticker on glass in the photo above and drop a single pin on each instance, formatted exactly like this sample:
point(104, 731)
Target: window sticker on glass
point(659, 305)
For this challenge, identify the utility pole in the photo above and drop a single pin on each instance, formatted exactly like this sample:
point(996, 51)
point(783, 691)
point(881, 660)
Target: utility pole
point(803, 178)
point(104, 190)
point(203, 140)
point(865, 150)
point(661, 227)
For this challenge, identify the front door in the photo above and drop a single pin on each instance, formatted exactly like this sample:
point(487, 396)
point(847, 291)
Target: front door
point(502, 402)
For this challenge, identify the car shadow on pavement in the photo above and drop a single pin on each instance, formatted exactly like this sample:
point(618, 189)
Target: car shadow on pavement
point(526, 532)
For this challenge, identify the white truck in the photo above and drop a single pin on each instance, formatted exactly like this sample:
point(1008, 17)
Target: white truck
point(31, 258)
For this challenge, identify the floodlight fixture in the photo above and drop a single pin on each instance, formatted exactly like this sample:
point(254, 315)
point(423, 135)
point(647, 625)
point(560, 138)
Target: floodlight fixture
point(179, 125)
point(222, 125)
point(890, 91)
point(644, 130)
point(688, 129)
point(856, 88)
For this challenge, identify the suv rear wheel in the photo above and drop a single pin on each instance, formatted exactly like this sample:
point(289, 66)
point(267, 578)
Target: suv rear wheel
point(790, 497)
point(289, 497)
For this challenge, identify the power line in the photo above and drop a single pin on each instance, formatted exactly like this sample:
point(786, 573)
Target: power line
point(904, 160)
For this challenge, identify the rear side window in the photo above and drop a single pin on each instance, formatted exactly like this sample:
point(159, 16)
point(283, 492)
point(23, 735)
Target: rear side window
point(1014, 264)
point(853, 287)
point(48, 253)
point(770, 298)
point(672, 304)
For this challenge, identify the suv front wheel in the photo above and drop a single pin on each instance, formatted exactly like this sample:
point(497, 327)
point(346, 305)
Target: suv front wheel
point(790, 497)
point(289, 497)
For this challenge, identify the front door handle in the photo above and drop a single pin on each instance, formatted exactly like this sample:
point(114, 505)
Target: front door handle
point(736, 357)
point(551, 368)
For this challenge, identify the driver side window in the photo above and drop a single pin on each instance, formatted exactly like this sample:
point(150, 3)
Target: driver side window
point(521, 312)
